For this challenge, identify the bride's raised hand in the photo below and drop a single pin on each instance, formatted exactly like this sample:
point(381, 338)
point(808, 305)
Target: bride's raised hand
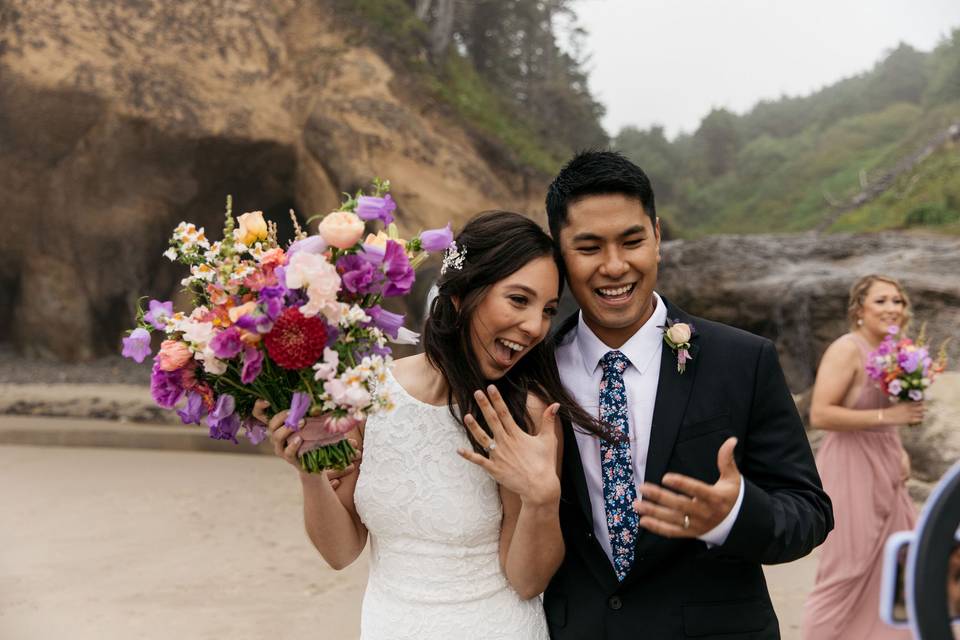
point(520, 462)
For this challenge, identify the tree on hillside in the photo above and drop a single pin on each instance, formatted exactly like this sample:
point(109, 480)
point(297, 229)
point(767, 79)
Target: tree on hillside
point(718, 141)
point(651, 150)
point(900, 77)
point(944, 84)
point(514, 45)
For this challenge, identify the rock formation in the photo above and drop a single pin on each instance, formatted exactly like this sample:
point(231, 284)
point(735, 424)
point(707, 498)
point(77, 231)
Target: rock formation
point(792, 288)
point(118, 120)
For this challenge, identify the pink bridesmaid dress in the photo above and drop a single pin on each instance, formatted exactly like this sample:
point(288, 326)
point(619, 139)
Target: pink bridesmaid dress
point(861, 474)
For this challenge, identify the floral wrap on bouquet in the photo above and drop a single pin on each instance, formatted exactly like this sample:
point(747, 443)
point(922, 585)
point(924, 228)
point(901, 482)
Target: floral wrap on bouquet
point(903, 368)
point(300, 326)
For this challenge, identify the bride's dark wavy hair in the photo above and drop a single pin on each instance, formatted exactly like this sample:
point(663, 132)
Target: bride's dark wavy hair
point(496, 244)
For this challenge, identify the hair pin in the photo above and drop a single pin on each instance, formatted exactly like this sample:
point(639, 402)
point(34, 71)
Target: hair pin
point(453, 258)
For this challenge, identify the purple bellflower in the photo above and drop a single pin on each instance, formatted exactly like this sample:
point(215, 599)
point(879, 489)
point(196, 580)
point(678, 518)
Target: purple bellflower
point(158, 313)
point(374, 208)
point(137, 345)
point(298, 408)
point(223, 422)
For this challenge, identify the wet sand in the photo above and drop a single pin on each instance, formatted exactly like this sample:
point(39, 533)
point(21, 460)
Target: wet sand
point(103, 544)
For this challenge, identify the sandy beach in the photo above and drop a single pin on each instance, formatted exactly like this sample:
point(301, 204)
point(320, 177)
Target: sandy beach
point(103, 544)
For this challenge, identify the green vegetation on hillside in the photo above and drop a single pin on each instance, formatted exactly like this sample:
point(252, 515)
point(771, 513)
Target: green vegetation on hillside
point(496, 65)
point(797, 163)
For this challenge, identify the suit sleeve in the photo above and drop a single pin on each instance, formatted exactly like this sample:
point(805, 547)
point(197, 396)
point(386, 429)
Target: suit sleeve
point(785, 512)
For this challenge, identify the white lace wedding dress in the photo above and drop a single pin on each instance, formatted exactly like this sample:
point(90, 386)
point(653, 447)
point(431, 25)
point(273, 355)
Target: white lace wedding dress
point(434, 522)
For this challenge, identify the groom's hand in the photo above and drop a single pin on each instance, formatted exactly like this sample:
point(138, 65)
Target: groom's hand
point(693, 507)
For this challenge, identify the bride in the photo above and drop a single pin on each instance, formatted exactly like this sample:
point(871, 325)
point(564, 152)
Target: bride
point(460, 545)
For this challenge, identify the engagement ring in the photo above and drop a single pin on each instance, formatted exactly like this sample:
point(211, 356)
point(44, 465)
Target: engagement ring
point(686, 521)
point(490, 447)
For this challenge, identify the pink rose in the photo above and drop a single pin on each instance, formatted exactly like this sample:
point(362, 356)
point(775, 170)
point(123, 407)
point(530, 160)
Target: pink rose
point(324, 431)
point(341, 229)
point(174, 355)
point(273, 258)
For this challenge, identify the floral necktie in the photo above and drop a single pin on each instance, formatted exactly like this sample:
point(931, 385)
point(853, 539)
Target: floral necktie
point(616, 464)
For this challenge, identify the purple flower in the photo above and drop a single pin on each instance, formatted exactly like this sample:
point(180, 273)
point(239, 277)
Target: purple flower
point(311, 244)
point(436, 239)
point(374, 208)
point(193, 412)
point(166, 386)
point(255, 322)
point(895, 387)
point(272, 300)
point(373, 349)
point(298, 408)
point(223, 422)
point(252, 364)
point(358, 275)
point(915, 394)
point(397, 267)
point(372, 253)
point(909, 360)
point(137, 345)
point(893, 330)
point(255, 430)
point(227, 343)
point(158, 313)
point(386, 321)
point(886, 347)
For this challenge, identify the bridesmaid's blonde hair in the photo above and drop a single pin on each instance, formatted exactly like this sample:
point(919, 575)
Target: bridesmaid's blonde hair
point(858, 293)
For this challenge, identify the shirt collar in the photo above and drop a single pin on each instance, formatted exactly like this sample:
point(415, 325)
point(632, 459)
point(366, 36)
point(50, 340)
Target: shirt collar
point(639, 349)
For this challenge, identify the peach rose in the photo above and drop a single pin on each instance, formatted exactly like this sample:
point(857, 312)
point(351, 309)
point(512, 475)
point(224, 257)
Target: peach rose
point(341, 229)
point(238, 312)
point(174, 355)
point(380, 240)
point(252, 227)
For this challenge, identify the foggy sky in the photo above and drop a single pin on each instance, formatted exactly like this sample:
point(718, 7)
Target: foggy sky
point(669, 62)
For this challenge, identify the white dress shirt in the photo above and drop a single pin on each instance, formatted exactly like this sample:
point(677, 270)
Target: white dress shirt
point(578, 358)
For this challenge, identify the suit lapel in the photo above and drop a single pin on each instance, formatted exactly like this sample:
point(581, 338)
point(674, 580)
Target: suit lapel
point(673, 394)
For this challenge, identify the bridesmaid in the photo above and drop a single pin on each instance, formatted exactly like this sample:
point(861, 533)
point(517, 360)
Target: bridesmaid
point(864, 469)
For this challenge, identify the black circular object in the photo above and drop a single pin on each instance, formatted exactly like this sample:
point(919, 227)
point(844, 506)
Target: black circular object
point(927, 561)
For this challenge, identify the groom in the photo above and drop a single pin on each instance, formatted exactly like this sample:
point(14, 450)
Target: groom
point(667, 525)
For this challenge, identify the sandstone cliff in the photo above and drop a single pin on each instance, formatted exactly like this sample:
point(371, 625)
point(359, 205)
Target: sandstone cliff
point(119, 119)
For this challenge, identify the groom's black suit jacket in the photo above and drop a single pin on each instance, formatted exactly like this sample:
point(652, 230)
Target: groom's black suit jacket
point(677, 588)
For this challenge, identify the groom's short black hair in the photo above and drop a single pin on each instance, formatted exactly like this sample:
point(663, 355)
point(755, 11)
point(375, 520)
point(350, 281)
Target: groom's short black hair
point(591, 173)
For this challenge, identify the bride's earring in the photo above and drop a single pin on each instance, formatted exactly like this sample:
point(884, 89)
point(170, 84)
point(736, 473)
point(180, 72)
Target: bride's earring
point(859, 322)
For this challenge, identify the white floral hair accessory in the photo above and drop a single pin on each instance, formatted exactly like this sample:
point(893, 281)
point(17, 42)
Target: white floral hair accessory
point(453, 258)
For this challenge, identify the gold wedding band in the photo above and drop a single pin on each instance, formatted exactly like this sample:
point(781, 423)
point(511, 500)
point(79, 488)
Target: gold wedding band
point(686, 521)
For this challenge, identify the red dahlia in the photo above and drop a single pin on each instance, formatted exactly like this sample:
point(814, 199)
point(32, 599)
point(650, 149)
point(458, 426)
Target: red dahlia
point(296, 341)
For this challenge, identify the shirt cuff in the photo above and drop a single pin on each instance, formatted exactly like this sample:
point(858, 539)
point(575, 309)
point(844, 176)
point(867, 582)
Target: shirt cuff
point(718, 535)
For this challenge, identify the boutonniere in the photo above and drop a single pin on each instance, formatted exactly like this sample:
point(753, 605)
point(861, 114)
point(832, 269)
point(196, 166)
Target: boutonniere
point(678, 335)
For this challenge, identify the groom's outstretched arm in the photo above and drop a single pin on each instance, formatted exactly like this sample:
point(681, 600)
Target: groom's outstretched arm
point(767, 504)
point(785, 512)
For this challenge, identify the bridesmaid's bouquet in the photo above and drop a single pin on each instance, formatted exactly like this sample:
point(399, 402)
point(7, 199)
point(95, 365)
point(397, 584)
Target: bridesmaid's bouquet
point(300, 326)
point(904, 368)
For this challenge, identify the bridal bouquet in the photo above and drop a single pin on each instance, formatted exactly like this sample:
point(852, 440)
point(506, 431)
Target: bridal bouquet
point(904, 368)
point(301, 326)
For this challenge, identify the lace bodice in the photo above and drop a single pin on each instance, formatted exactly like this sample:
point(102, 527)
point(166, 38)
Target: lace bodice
point(434, 521)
